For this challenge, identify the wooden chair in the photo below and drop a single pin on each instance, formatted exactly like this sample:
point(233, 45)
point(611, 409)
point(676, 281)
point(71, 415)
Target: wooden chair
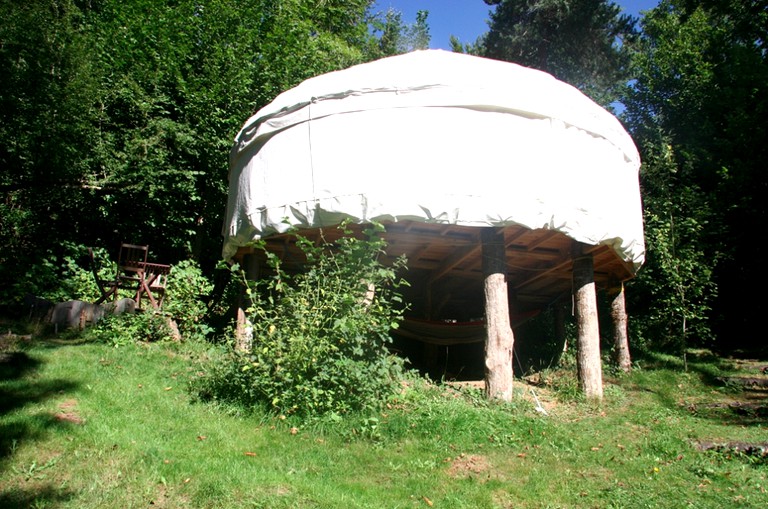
point(130, 272)
point(158, 285)
point(130, 265)
point(155, 280)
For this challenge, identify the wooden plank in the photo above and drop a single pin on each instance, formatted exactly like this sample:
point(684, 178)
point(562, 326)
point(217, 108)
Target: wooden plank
point(459, 256)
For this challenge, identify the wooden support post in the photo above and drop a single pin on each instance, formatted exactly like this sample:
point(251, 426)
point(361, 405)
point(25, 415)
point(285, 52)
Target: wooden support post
point(619, 322)
point(243, 331)
point(585, 300)
point(499, 337)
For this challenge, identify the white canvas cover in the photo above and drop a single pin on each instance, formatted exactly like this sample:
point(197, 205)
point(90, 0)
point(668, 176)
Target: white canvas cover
point(438, 137)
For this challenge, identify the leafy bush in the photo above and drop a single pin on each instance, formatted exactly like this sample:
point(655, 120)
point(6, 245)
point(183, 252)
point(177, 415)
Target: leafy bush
point(120, 330)
point(57, 276)
point(320, 336)
point(183, 304)
point(184, 299)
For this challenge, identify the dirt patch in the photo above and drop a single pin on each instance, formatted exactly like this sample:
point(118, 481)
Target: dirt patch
point(469, 465)
point(68, 412)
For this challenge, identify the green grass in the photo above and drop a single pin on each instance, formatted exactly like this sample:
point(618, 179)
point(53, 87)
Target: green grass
point(85, 425)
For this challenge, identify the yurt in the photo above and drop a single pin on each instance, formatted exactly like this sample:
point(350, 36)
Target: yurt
point(486, 175)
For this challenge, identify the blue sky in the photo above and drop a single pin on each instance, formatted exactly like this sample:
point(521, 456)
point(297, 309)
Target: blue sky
point(467, 19)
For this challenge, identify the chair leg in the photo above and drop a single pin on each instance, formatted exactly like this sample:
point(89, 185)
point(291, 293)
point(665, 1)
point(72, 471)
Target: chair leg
point(112, 292)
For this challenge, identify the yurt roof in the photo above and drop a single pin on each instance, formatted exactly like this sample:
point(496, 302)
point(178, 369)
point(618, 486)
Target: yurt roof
point(435, 144)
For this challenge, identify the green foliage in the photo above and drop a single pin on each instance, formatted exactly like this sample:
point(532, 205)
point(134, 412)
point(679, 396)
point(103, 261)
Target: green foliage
point(697, 111)
point(681, 261)
point(116, 117)
point(58, 275)
point(397, 37)
point(187, 287)
point(320, 336)
point(469, 48)
point(581, 42)
point(129, 328)
point(47, 90)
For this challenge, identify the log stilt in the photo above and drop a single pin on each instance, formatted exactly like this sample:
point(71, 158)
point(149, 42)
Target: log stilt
point(619, 322)
point(585, 300)
point(499, 337)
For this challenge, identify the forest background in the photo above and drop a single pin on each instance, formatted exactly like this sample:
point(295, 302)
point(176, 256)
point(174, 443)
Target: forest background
point(116, 120)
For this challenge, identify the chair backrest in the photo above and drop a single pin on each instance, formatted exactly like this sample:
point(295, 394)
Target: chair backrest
point(131, 255)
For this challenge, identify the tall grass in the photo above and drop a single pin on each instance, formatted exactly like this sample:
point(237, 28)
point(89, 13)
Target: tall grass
point(88, 425)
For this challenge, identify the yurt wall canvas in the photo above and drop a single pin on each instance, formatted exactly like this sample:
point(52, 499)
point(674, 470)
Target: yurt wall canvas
point(439, 138)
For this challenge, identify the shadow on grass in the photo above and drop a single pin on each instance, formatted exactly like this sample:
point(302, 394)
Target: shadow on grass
point(38, 496)
point(722, 401)
point(18, 389)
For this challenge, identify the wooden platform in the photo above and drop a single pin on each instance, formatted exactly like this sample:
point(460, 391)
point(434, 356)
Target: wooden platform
point(445, 265)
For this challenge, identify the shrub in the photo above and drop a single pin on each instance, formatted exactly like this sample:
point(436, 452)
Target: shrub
point(320, 337)
point(183, 303)
point(57, 276)
point(184, 299)
point(120, 330)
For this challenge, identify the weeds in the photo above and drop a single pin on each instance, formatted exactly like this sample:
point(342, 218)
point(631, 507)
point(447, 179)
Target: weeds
point(35, 471)
point(320, 337)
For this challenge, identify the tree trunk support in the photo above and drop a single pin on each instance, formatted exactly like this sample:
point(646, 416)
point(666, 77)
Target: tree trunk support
point(620, 333)
point(585, 300)
point(499, 337)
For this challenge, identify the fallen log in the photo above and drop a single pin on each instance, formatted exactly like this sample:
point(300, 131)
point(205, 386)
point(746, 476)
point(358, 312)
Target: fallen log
point(759, 409)
point(749, 448)
point(78, 314)
point(744, 381)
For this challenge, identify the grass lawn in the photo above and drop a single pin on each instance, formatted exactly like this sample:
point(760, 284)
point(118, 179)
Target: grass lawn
point(86, 425)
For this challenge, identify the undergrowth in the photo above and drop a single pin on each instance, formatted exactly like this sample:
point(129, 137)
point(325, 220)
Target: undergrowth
point(320, 337)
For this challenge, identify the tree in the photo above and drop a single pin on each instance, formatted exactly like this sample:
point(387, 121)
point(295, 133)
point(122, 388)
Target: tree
point(697, 109)
point(179, 81)
point(673, 293)
point(580, 42)
point(469, 48)
point(397, 37)
point(48, 80)
point(118, 116)
point(419, 31)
